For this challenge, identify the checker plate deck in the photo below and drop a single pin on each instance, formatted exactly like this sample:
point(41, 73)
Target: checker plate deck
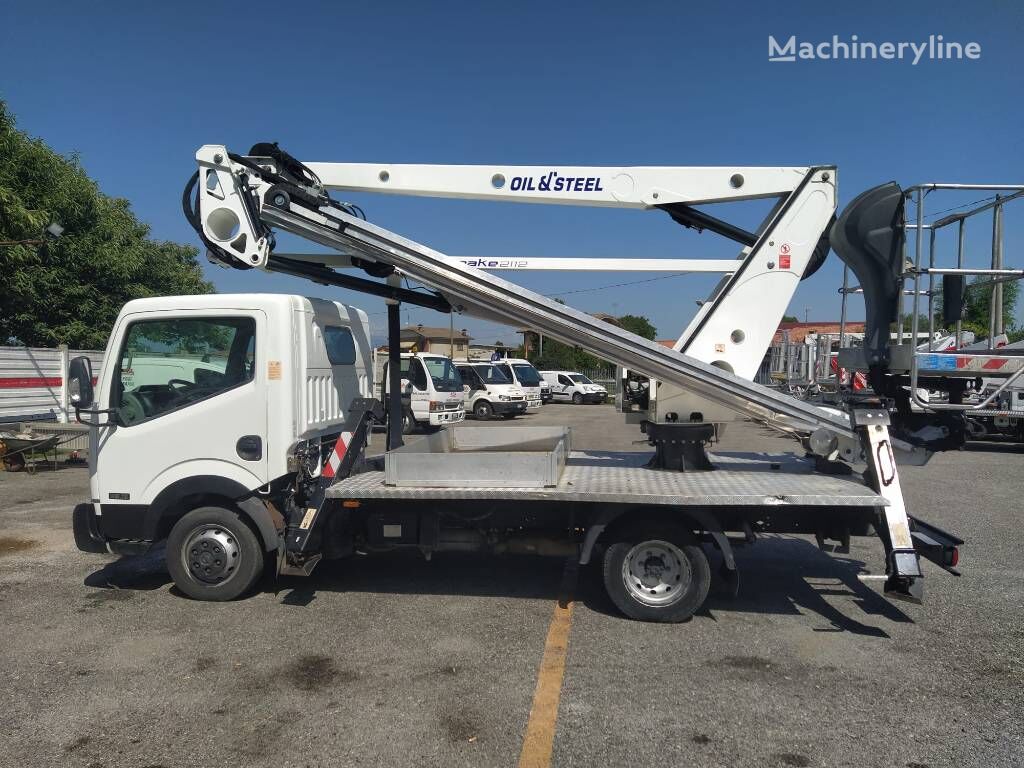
point(740, 479)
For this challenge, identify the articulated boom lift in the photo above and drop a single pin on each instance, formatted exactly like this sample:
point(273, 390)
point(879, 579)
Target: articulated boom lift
point(704, 378)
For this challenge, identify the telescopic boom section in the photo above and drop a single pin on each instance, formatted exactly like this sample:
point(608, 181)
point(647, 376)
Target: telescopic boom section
point(261, 203)
point(476, 292)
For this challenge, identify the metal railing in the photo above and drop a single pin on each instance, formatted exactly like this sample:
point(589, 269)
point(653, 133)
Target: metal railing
point(800, 364)
point(912, 276)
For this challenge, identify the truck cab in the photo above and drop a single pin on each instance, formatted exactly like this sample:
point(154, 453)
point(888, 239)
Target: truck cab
point(432, 391)
point(204, 400)
point(489, 392)
point(528, 378)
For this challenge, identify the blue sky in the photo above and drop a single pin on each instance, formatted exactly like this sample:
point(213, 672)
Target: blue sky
point(135, 88)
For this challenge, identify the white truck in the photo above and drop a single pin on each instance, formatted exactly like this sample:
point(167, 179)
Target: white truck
point(232, 471)
point(528, 378)
point(575, 388)
point(489, 392)
point(432, 392)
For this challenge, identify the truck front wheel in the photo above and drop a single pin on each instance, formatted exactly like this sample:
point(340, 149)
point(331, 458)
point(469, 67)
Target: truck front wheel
point(213, 555)
point(662, 576)
point(408, 423)
point(483, 410)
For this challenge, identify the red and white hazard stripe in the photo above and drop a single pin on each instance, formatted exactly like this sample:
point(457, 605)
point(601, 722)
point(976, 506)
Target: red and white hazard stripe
point(340, 449)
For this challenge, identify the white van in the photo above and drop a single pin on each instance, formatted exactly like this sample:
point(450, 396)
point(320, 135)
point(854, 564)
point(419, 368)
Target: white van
point(569, 386)
point(489, 392)
point(523, 373)
point(431, 391)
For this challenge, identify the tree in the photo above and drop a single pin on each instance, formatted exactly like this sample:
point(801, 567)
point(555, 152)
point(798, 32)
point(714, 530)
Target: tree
point(790, 319)
point(639, 325)
point(70, 290)
point(564, 357)
point(978, 303)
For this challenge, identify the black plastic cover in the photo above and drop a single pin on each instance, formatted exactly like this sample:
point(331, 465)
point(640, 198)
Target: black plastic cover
point(868, 236)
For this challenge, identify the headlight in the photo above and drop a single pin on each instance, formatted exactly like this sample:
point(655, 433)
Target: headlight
point(436, 405)
point(504, 397)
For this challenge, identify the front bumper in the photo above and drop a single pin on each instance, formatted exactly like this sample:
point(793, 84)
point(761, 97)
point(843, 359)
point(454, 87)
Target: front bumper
point(87, 529)
point(437, 418)
point(592, 398)
point(535, 403)
point(500, 407)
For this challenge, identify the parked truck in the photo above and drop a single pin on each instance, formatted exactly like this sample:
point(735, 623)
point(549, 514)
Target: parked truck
point(489, 392)
point(267, 463)
point(432, 392)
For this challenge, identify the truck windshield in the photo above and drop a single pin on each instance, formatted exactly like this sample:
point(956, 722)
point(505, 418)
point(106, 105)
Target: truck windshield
point(527, 375)
point(491, 374)
point(579, 378)
point(443, 374)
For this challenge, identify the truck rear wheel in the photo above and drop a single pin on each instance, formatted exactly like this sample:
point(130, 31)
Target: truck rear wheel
point(213, 555)
point(657, 576)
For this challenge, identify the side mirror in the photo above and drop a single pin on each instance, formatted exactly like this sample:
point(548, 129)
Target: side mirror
point(80, 389)
point(952, 299)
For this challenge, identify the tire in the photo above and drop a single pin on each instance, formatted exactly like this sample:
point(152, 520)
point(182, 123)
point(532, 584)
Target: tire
point(194, 544)
point(408, 422)
point(482, 410)
point(682, 566)
point(577, 399)
point(509, 416)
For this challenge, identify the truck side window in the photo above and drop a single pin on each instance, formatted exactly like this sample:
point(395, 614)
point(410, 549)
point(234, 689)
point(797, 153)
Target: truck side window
point(341, 347)
point(564, 380)
point(419, 376)
point(507, 370)
point(170, 364)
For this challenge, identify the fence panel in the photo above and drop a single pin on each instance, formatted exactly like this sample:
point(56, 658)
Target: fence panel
point(32, 382)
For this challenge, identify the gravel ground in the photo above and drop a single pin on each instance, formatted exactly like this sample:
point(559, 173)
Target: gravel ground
point(389, 660)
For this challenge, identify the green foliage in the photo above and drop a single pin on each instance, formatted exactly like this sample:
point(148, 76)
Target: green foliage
point(790, 319)
point(978, 303)
point(563, 357)
point(70, 290)
point(639, 325)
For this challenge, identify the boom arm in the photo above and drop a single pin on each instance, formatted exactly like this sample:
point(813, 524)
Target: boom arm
point(732, 328)
point(240, 200)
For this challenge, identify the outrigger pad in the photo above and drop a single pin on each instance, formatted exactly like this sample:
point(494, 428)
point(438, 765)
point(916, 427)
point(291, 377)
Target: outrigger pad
point(868, 236)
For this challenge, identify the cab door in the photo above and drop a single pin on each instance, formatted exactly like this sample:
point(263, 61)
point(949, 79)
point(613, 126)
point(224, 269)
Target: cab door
point(564, 388)
point(188, 400)
point(419, 388)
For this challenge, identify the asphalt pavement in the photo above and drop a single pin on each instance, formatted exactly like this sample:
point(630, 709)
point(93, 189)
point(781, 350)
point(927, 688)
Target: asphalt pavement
point(388, 660)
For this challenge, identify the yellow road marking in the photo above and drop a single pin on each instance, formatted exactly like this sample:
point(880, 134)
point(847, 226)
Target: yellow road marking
point(540, 728)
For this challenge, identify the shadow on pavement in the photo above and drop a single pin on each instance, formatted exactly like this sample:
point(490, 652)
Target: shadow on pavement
point(994, 446)
point(786, 577)
point(142, 572)
point(779, 576)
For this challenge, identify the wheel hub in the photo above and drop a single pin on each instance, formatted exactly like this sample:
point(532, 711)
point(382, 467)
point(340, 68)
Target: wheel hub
point(211, 554)
point(656, 572)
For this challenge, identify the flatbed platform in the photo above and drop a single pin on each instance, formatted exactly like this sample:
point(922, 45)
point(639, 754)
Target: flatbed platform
point(740, 479)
